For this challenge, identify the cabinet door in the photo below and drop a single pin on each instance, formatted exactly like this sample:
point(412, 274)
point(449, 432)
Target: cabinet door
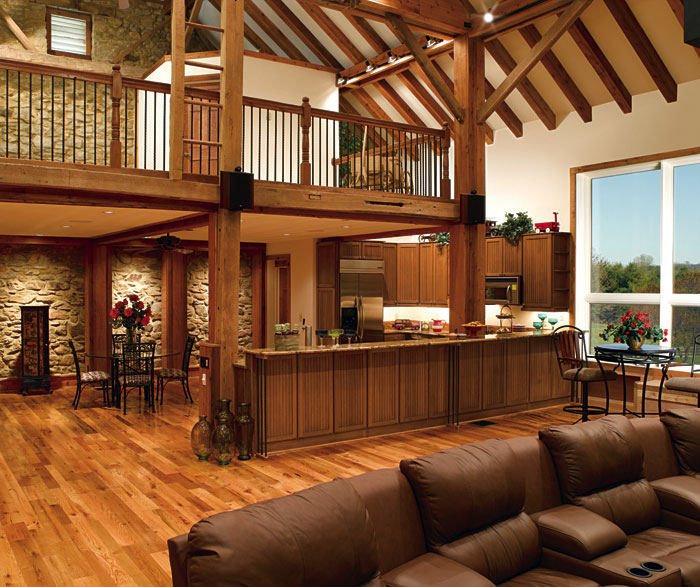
point(389, 251)
point(326, 264)
point(382, 387)
point(426, 273)
point(351, 250)
point(442, 275)
point(372, 250)
point(494, 256)
point(413, 384)
point(537, 271)
point(512, 258)
point(517, 372)
point(326, 308)
point(494, 366)
point(407, 284)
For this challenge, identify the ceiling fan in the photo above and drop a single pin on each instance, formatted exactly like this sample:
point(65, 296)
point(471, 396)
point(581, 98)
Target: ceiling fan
point(171, 243)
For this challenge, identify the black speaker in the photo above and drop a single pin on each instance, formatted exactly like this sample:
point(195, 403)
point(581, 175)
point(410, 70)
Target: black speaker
point(236, 190)
point(692, 22)
point(473, 209)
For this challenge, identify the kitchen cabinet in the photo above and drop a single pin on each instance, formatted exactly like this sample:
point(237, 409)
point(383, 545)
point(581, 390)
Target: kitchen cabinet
point(351, 250)
point(546, 271)
point(389, 254)
point(326, 308)
point(433, 267)
point(407, 274)
point(442, 274)
point(502, 257)
point(372, 250)
point(326, 264)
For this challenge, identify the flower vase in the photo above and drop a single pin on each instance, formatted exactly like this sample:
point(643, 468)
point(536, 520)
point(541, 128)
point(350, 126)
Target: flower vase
point(130, 335)
point(223, 440)
point(635, 344)
point(200, 438)
point(244, 431)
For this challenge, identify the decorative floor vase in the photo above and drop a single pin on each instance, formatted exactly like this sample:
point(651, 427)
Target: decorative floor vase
point(223, 439)
point(200, 438)
point(244, 431)
point(634, 344)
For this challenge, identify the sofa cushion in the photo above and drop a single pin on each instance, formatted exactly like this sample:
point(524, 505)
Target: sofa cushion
point(548, 578)
point(435, 571)
point(675, 549)
point(316, 537)
point(684, 427)
point(680, 494)
point(659, 456)
point(687, 384)
point(465, 488)
point(392, 507)
point(600, 467)
point(539, 475)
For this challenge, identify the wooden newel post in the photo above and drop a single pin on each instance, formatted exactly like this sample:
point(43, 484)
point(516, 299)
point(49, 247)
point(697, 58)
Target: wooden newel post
point(115, 146)
point(445, 183)
point(305, 170)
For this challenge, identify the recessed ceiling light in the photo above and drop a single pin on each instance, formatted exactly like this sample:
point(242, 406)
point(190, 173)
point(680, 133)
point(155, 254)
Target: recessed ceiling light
point(108, 212)
point(147, 237)
point(38, 234)
point(488, 17)
point(66, 226)
point(286, 234)
point(346, 226)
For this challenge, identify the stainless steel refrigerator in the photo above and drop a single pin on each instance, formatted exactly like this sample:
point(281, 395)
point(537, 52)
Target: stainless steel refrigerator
point(361, 298)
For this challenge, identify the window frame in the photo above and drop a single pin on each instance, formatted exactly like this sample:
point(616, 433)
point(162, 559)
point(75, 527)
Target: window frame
point(665, 299)
point(50, 10)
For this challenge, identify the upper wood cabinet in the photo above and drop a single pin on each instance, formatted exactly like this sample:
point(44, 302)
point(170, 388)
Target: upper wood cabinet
point(503, 258)
point(351, 250)
point(546, 271)
point(389, 253)
point(326, 264)
point(372, 250)
point(442, 274)
point(407, 281)
point(433, 269)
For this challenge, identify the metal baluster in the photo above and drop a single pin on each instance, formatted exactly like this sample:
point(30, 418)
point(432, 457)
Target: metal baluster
point(30, 115)
point(94, 123)
point(259, 142)
point(63, 121)
point(276, 113)
point(73, 109)
point(105, 121)
point(283, 144)
point(19, 112)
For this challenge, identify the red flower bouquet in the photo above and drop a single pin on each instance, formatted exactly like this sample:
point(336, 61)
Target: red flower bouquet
point(131, 313)
point(634, 327)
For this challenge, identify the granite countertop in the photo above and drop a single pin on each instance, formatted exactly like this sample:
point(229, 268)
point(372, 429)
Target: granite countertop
point(368, 346)
point(421, 332)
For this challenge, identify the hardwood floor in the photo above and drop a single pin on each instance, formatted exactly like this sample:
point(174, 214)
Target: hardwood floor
point(89, 497)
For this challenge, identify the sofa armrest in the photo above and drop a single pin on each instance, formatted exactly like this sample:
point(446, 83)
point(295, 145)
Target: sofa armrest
point(578, 532)
point(680, 495)
point(177, 549)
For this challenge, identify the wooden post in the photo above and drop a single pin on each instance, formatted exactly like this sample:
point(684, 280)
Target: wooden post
point(445, 184)
point(211, 252)
point(174, 305)
point(209, 390)
point(177, 88)
point(98, 302)
point(305, 169)
point(467, 241)
point(115, 146)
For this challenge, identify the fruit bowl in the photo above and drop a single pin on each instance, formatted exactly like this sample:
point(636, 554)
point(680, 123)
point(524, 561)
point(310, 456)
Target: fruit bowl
point(473, 329)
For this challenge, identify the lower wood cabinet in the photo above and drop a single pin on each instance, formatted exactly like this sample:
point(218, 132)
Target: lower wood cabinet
point(349, 391)
point(494, 373)
point(517, 372)
point(382, 387)
point(470, 378)
point(281, 398)
point(315, 394)
point(414, 391)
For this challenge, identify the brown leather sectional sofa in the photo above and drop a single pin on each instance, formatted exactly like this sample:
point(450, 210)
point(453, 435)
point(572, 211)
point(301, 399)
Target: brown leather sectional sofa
point(577, 507)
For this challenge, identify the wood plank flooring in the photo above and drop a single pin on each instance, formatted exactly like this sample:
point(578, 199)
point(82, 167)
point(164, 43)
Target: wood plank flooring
point(89, 497)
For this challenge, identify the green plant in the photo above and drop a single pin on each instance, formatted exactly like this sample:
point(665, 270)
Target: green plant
point(442, 239)
point(634, 327)
point(515, 226)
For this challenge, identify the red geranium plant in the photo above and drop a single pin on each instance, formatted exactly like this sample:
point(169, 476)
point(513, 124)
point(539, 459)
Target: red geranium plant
point(634, 327)
point(130, 312)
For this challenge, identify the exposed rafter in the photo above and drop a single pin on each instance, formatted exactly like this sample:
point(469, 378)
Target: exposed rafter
point(529, 92)
point(194, 16)
point(257, 41)
point(368, 33)
point(645, 50)
point(506, 114)
point(679, 10)
point(512, 14)
point(426, 99)
point(273, 32)
point(560, 76)
point(16, 30)
point(331, 29)
point(426, 64)
point(398, 103)
point(370, 104)
point(562, 24)
point(600, 64)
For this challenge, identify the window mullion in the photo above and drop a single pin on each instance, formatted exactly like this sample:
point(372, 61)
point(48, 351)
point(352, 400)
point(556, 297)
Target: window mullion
point(666, 253)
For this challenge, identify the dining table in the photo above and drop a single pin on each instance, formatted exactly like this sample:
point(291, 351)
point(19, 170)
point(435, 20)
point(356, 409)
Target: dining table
point(115, 358)
point(647, 356)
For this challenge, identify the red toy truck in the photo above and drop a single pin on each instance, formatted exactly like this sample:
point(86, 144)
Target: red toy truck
point(548, 226)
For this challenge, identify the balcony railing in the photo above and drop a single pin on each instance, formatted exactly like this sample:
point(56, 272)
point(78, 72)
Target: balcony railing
point(53, 114)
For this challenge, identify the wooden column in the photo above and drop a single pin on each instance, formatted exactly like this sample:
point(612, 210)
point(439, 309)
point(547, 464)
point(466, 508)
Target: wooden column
point(177, 88)
point(174, 305)
point(98, 302)
point(115, 146)
point(467, 242)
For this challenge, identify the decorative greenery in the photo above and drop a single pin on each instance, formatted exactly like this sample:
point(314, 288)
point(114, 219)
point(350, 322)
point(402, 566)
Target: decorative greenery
point(515, 226)
point(442, 239)
point(350, 142)
point(634, 327)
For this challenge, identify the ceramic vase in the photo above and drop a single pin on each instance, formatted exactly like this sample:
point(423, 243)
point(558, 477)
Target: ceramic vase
point(223, 438)
point(244, 431)
point(634, 344)
point(200, 438)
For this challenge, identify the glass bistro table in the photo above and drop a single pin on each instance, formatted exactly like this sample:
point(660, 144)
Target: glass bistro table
point(649, 355)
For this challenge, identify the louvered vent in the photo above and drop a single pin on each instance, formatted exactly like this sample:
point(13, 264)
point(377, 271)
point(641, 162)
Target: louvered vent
point(68, 35)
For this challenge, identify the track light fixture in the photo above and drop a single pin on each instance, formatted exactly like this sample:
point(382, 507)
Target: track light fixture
point(392, 57)
point(341, 81)
point(369, 67)
point(431, 42)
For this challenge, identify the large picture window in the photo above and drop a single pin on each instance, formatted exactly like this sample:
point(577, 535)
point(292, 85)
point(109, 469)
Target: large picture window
point(638, 247)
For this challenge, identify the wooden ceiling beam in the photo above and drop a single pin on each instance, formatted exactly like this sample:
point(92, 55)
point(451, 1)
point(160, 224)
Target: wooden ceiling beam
point(526, 88)
point(140, 41)
point(560, 76)
point(301, 31)
point(426, 99)
point(194, 16)
point(273, 32)
point(427, 66)
point(191, 221)
point(509, 16)
point(600, 64)
point(506, 114)
point(398, 103)
point(257, 41)
point(348, 108)
point(643, 47)
point(562, 24)
point(368, 33)
point(331, 29)
point(16, 30)
point(679, 10)
point(370, 104)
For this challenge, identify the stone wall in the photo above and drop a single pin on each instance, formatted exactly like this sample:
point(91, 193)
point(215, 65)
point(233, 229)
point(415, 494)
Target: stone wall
point(198, 301)
point(41, 275)
point(139, 272)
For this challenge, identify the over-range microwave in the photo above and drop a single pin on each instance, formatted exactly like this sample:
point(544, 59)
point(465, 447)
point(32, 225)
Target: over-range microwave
point(504, 290)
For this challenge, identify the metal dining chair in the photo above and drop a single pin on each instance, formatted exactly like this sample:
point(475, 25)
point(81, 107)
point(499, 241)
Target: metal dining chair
point(136, 370)
point(118, 341)
point(573, 360)
point(85, 378)
point(166, 375)
point(685, 384)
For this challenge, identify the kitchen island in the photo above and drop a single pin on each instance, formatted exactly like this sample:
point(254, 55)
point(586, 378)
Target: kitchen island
point(315, 395)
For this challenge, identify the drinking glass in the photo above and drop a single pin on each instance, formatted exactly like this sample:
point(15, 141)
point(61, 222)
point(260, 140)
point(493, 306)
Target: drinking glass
point(321, 334)
point(553, 321)
point(538, 326)
point(335, 334)
point(542, 316)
